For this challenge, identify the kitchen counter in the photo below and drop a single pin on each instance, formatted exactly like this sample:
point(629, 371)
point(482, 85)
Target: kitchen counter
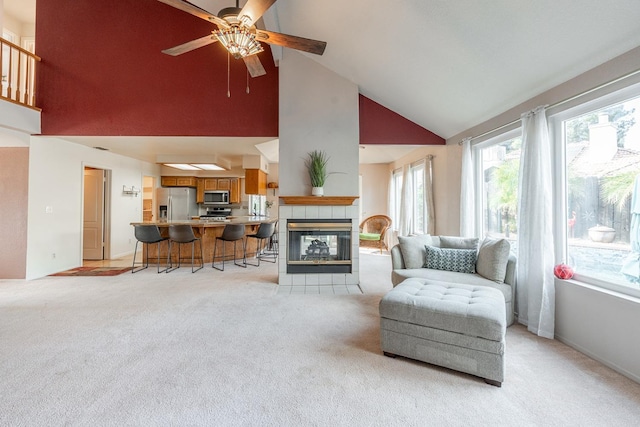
point(209, 222)
point(207, 230)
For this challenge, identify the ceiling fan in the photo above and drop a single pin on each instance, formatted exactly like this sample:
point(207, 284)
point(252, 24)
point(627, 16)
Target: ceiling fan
point(239, 35)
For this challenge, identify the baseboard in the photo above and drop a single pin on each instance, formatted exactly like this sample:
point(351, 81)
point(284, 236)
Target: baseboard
point(122, 255)
point(594, 356)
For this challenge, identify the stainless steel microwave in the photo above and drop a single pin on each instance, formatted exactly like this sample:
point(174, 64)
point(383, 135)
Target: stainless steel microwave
point(217, 197)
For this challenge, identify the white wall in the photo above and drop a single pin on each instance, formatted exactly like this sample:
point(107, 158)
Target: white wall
point(318, 111)
point(18, 118)
point(598, 323)
point(375, 189)
point(56, 170)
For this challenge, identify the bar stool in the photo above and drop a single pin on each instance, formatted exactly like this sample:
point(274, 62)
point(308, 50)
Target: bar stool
point(181, 234)
point(231, 233)
point(263, 235)
point(147, 234)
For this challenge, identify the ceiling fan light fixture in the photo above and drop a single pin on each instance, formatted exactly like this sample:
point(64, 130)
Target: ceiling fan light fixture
point(240, 41)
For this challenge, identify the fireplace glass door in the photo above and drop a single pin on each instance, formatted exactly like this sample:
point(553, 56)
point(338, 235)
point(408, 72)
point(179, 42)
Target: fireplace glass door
point(319, 246)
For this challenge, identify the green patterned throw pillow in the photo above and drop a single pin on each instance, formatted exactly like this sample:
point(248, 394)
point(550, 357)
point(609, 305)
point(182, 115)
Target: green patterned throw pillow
point(460, 260)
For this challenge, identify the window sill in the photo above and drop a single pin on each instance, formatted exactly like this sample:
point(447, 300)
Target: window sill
point(603, 290)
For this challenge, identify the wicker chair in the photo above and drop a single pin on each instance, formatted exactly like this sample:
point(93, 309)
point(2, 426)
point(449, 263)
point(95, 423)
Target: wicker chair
point(373, 230)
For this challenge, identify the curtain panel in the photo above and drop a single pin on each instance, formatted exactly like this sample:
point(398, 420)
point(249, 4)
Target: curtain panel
point(429, 211)
point(467, 192)
point(535, 293)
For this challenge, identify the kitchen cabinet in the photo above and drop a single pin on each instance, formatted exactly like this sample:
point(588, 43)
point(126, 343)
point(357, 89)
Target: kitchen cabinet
point(234, 191)
point(230, 184)
point(211, 184)
point(178, 181)
point(224, 183)
point(255, 182)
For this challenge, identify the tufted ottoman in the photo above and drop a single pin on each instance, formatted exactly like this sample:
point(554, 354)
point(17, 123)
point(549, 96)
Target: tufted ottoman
point(457, 326)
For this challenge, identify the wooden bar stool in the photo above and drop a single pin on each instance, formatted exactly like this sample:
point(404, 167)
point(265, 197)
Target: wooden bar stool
point(231, 233)
point(181, 234)
point(147, 234)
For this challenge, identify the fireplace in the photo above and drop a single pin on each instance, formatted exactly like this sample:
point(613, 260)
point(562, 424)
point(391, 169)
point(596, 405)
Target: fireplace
point(319, 246)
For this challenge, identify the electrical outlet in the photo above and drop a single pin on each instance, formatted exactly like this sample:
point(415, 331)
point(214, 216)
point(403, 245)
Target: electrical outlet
point(53, 255)
point(48, 209)
point(129, 241)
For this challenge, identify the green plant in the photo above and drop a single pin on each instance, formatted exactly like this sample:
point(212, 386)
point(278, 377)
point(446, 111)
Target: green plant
point(317, 166)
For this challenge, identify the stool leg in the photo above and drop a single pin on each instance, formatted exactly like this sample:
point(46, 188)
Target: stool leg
point(193, 251)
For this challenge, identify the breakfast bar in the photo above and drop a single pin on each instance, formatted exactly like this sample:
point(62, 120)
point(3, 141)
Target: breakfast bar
point(207, 230)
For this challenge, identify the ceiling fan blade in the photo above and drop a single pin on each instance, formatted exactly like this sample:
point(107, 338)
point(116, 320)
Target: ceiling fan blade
point(293, 42)
point(196, 11)
point(254, 66)
point(192, 45)
point(254, 9)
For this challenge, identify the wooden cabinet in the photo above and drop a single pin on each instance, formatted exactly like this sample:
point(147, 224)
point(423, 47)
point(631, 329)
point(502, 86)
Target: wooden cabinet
point(230, 184)
point(255, 182)
point(211, 184)
point(224, 183)
point(200, 191)
point(234, 191)
point(178, 181)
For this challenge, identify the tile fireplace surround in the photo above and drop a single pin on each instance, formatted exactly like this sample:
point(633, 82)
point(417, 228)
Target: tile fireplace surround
point(320, 208)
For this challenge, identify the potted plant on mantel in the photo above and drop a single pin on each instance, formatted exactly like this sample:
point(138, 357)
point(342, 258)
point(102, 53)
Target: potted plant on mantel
point(317, 166)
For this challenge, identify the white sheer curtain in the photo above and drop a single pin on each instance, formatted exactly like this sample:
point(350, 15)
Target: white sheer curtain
point(429, 212)
point(406, 202)
point(391, 236)
point(535, 283)
point(467, 193)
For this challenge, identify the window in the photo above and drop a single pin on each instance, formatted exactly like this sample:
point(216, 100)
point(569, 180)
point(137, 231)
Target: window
point(418, 225)
point(499, 164)
point(416, 203)
point(601, 163)
point(257, 205)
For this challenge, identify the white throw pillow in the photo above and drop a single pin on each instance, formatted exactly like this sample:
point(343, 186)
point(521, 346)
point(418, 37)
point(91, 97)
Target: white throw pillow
point(492, 259)
point(412, 249)
point(452, 242)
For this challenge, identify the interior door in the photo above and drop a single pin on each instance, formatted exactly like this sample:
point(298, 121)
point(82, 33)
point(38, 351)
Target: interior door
point(93, 240)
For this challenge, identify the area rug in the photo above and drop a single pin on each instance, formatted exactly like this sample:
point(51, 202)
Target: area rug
point(93, 271)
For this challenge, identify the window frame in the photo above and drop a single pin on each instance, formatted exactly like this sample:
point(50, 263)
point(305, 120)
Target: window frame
point(556, 133)
point(478, 174)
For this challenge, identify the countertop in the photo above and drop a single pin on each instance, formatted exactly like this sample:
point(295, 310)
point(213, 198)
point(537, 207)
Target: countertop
point(209, 222)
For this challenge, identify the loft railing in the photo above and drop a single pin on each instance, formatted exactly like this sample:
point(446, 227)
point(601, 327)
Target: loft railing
point(18, 77)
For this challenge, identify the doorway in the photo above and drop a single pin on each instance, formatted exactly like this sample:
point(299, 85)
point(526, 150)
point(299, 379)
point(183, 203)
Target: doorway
point(96, 219)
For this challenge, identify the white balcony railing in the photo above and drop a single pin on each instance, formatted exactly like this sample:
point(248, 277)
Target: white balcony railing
point(19, 67)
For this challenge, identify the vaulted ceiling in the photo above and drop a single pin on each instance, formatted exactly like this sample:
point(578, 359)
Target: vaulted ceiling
point(450, 65)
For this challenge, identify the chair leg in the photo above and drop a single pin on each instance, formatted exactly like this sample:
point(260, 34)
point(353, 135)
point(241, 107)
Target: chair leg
point(193, 251)
point(244, 253)
point(215, 248)
point(158, 260)
point(170, 266)
point(258, 246)
point(135, 252)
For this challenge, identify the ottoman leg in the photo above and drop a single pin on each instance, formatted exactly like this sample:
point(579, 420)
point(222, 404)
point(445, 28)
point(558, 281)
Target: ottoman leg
point(493, 382)
point(386, 353)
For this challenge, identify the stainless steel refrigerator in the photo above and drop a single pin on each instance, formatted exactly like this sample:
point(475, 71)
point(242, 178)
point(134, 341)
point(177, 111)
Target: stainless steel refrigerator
point(178, 203)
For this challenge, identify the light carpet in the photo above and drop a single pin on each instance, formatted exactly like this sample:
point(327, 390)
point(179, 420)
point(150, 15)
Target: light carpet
point(223, 348)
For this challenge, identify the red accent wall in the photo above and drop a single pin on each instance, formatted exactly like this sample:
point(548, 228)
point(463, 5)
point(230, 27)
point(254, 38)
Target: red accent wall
point(102, 73)
point(379, 125)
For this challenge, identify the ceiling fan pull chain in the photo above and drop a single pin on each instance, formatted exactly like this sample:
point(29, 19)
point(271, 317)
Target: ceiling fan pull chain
point(228, 72)
point(247, 80)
